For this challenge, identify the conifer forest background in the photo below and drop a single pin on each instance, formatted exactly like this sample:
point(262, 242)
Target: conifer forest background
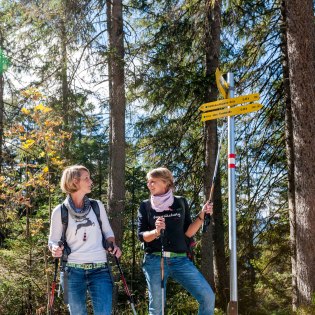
point(116, 86)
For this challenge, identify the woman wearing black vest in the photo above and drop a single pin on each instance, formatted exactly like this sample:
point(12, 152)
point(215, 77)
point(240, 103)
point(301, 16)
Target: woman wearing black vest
point(165, 219)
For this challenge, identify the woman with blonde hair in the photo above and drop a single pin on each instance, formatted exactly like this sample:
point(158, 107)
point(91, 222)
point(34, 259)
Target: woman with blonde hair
point(164, 223)
point(86, 268)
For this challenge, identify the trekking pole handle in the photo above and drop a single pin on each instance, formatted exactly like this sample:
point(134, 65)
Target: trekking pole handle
point(109, 246)
point(162, 234)
point(60, 243)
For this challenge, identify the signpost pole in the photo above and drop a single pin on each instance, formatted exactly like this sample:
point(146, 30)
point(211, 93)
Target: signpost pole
point(232, 307)
point(215, 110)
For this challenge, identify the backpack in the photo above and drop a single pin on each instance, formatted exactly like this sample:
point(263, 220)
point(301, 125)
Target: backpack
point(189, 240)
point(64, 220)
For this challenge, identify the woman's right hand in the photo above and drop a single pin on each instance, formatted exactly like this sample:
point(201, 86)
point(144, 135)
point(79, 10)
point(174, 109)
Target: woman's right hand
point(56, 251)
point(160, 224)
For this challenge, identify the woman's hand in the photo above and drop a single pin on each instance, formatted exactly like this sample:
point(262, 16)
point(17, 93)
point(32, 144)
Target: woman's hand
point(56, 251)
point(114, 250)
point(206, 209)
point(160, 225)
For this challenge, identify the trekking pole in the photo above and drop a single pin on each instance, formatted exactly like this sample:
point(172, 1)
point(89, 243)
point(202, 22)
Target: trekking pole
point(210, 200)
point(162, 270)
point(126, 286)
point(53, 287)
point(110, 245)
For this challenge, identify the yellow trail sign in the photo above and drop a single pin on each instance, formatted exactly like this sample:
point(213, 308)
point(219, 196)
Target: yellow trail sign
point(230, 102)
point(222, 85)
point(231, 111)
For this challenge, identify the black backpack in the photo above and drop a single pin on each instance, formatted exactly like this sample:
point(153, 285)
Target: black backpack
point(189, 240)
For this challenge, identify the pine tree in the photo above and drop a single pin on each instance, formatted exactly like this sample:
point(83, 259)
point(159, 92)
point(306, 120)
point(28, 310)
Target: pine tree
point(301, 57)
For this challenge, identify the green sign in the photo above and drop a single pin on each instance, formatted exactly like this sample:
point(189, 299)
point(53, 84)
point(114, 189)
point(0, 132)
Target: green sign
point(4, 62)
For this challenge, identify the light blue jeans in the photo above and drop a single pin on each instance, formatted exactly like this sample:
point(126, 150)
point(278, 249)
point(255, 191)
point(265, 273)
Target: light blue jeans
point(98, 282)
point(182, 270)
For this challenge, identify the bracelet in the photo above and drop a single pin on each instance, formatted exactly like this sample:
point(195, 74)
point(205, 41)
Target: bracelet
point(200, 218)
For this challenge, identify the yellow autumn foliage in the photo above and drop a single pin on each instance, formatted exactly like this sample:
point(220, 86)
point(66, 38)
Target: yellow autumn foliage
point(28, 143)
point(42, 108)
point(25, 111)
point(45, 169)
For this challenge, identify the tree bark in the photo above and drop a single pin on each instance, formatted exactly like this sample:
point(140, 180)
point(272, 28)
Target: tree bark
point(213, 263)
point(289, 150)
point(64, 75)
point(116, 193)
point(301, 56)
point(117, 105)
point(249, 250)
point(1, 110)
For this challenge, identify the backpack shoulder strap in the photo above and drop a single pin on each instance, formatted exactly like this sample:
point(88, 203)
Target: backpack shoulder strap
point(148, 208)
point(189, 240)
point(97, 211)
point(64, 221)
point(181, 202)
point(63, 239)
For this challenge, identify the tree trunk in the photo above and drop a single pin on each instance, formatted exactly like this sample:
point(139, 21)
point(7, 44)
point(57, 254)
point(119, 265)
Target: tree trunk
point(116, 193)
point(290, 152)
point(1, 106)
point(213, 244)
point(64, 77)
point(117, 105)
point(248, 256)
point(301, 56)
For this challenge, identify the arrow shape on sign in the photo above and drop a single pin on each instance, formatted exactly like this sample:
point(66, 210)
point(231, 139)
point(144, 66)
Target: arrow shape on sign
point(231, 111)
point(229, 102)
point(222, 85)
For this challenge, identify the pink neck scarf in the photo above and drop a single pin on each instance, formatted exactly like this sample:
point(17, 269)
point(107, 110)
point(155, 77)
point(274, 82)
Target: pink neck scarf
point(163, 202)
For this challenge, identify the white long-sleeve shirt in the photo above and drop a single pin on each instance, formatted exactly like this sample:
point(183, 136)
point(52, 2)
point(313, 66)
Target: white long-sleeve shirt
point(89, 251)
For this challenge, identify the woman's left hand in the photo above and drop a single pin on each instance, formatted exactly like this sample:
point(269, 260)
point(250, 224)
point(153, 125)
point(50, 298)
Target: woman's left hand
point(207, 208)
point(115, 250)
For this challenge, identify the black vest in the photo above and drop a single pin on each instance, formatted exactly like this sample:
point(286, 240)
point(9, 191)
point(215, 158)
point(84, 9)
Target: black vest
point(177, 221)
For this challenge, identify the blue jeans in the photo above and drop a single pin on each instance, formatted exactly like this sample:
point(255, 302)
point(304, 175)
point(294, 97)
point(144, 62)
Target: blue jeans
point(182, 270)
point(98, 282)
